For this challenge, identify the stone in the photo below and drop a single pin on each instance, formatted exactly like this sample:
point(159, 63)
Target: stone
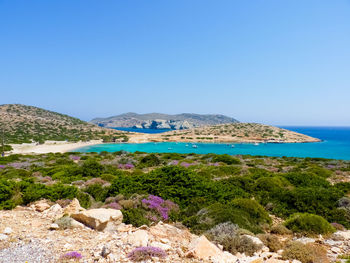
point(7, 230)
point(105, 251)
point(73, 208)
point(336, 250)
point(163, 246)
point(256, 240)
point(75, 224)
point(305, 240)
point(138, 238)
point(54, 227)
point(41, 206)
point(100, 218)
point(54, 212)
point(161, 231)
point(201, 248)
point(3, 237)
point(342, 235)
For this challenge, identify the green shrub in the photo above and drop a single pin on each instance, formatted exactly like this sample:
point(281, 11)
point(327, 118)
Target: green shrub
point(149, 160)
point(91, 168)
point(225, 158)
point(97, 191)
point(241, 212)
point(309, 224)
point(135, 216)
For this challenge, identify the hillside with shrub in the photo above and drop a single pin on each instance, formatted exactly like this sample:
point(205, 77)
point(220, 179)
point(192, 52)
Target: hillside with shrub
point(222, 197)
point(24, 124)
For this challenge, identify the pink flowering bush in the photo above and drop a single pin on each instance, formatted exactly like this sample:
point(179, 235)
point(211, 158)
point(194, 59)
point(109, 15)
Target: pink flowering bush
point(72, 255)
point(162, 207)
point(126, 166)
point(145, 253)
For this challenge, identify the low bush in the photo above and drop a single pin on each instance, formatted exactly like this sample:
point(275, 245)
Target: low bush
point(309, 224)
point(135, 216)
point(230, 237)
point(309, 253)
point(280, 229)
point(146, 253)
point(225, 158)
point(271, 241)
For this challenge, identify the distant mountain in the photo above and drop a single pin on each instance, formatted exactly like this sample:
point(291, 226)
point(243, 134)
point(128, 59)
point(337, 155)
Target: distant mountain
point(23, 123)
point(163, 121)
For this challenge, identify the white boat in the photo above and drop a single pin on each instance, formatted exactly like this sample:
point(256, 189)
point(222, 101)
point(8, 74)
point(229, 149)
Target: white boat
point(194, 146)
point(170, 148)
point(256, 144)
point(186, 145)
point(232, 146)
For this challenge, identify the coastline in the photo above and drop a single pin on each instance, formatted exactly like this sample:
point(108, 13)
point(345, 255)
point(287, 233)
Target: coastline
point(50, 147)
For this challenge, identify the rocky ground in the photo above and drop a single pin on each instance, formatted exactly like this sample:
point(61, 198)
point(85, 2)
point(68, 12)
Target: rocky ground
point(29, 234)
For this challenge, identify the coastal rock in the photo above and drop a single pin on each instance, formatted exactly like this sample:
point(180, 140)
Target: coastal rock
point(99, 219)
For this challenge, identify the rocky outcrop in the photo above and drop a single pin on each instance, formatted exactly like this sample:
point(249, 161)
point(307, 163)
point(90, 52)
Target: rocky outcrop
point(100, 219)
point(163, 121)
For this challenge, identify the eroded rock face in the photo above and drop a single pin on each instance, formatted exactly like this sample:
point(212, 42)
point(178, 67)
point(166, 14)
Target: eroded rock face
point(99, 219)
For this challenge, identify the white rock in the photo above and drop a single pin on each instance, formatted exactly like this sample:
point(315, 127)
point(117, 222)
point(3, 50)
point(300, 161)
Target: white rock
point(305, 240)
point(3, 237)
point(100, 218)
point(161, 245)
point(256, 240)
point(54, 227)
point(7, 230)
point(138, 238)
point(336, 250)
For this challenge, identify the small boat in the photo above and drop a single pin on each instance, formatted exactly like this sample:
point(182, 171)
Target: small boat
point(194, 146)
point(170, 148)
point(186, 145)
point(256, 144)
point(232, 146)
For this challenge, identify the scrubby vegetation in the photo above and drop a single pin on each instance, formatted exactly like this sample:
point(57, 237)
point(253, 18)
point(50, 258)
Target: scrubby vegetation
point(221, 196)
point(24, 124)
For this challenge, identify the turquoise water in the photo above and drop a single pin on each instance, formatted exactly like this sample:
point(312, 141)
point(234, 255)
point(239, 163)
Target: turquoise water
point(335, 145)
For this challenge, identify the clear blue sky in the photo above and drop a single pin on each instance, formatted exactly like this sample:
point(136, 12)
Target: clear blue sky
point(275, 62)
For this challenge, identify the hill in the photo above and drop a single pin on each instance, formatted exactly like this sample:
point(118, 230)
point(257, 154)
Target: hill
point(234, 132)
point(163, 121)
point(23, 124)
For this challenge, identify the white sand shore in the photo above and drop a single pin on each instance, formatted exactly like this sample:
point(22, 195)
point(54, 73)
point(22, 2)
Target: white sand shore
point(50, 146)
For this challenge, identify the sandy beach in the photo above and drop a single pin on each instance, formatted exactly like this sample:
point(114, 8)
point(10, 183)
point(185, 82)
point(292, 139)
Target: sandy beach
point(50, 146)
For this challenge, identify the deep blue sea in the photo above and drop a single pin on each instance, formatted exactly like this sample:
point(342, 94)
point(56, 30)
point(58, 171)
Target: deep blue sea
point(335, 145)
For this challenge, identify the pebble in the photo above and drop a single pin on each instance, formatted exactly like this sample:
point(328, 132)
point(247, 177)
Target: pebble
point(3, 237)
point(7, 230)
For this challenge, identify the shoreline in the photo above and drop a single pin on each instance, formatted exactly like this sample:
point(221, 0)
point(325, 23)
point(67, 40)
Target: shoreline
point(50, 147)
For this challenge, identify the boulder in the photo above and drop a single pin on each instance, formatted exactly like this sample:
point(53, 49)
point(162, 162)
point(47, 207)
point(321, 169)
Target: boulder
point(54, 212)
point(100, 219)
point(201, 248)
point(161, 231)
point(138, 238)
point(41, 205)
point(73, 208)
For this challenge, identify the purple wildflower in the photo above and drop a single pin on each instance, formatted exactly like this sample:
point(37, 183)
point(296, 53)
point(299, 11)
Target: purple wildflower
point(2, 166)
point(72, 255)
point(145, 253)
point(162, 207)
point(126, 166)
point(214, 164)
point(175, 162)
point(75, 158)
point(114, 205)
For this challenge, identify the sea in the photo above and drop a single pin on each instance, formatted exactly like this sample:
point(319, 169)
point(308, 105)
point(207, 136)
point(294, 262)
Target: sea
point(335, 144)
